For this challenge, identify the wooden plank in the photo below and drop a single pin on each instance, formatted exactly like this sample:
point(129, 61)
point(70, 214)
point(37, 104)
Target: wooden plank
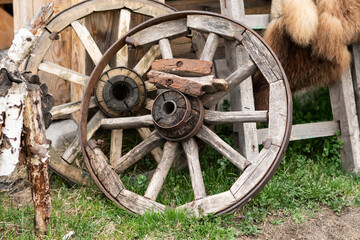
point(257, 21)
point(171, 150)
point(211, 204)
point(242, 73)
point(138, 204)
point(168, 29)
point(211, 24)
point(193, 86)
point(191, 151)
point(75, 148)
point(127, 122)
point(255, 172)
point(210, 47)
point(87, 7)
point(262, 57)
point(138, 152)
point(344, 110)
point(355, 73)
point(183, 67)
point(165, 48)
point(64, 73)
point(209, 137)
point(217, 117)
point(145, 63)
point(6, 29)
point(306, 131)
point(68, 108)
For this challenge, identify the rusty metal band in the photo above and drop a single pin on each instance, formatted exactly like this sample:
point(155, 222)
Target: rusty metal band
point(121, 42)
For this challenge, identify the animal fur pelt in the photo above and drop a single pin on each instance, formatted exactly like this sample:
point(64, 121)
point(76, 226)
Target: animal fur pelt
point(311, 40)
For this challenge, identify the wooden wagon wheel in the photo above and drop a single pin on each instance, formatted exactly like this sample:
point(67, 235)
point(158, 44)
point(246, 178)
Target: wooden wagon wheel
point(181, 115)
point(39, 63)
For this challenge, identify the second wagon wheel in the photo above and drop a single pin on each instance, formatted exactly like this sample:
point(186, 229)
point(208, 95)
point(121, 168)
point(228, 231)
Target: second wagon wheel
point(181, 121)
point(120, 15)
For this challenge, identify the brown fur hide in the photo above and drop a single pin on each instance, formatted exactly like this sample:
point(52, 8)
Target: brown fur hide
point(310, 39)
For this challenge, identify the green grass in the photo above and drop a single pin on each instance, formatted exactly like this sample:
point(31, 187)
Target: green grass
point(310, 178)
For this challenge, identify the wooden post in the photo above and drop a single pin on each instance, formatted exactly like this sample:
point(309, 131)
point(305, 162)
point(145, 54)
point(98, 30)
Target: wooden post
point(236, 56)
point(344, 110)
point(37, 147)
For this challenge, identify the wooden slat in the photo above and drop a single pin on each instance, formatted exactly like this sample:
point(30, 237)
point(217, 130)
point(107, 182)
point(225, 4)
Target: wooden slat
point(233, 80)
point(75, 148)
point(138, 152)
point(216, 117)
point(257, 21)
point(355, 72)
point(255, 172)
point(69, 108)
point(183, 67)
point(191, 151)
point(277, 113)
point(127, 122)
point(6, 29)
point(171, 150)
point(209, 137)
point(64, 73)
point(262, 57)
point(165, 48)
point(169, 29)
point(145, 62)
point(306, 131)
point(211, 24)
point(210, 47)
point(211, 204)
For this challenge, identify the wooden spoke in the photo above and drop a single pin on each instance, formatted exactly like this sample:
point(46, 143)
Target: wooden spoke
point(122, 57)
point(192, 155)
point(64, 73)
point(88, 42)
point(171, 150)
point(156, 152)
point(116, 144)
point(74, 149)
point(209, 137)
point(216, 117)
point(69, 108)
point(241, 74)
point(165, 49)
point(170, 29)
point(210, 47)
point(135, 154)
point(127, 122)
point(145, 62)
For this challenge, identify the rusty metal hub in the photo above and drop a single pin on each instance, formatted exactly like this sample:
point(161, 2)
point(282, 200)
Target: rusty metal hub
point(120, 92)
point(177, 117)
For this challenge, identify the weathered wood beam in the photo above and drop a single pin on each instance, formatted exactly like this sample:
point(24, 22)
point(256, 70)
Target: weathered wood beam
point(188, 85)
point(127, 122)
point(68, 108)
point(216, 117)
point(183, 67)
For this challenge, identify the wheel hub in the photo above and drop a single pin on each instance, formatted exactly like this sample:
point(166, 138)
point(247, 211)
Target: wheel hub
point(177, 117)
point(120, 92)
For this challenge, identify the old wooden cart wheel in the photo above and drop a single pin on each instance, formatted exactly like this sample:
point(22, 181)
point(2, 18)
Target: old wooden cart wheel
point(42, 63)
point(181, 117)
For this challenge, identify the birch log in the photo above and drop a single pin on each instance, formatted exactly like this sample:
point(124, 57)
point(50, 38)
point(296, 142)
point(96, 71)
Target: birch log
point(37, 149)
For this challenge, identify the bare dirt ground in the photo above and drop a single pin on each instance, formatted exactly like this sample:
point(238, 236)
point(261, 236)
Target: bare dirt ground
point(323, 225)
